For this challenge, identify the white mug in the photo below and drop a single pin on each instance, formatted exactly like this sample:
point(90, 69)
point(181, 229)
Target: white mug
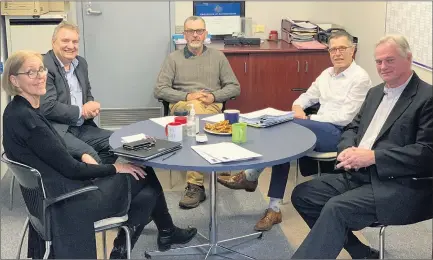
point(174, 132)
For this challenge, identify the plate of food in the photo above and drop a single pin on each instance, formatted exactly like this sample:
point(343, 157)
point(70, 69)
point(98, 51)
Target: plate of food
point(220, 128)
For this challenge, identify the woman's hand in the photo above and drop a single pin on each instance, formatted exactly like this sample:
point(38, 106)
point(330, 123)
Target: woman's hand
point(86, 158)
point(130, 169)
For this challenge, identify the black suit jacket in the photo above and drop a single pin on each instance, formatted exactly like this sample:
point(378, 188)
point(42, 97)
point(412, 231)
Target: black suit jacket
point(56, 103)
point(403, 150)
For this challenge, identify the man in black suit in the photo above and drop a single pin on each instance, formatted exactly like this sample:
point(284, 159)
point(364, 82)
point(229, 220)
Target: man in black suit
point(388, 143)
point(68, 103)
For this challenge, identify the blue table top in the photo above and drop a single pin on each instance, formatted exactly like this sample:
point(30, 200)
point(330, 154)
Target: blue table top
point(277, 144)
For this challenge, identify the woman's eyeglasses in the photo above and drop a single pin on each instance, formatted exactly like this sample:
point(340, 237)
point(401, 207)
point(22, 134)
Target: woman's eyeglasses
point(32, 74)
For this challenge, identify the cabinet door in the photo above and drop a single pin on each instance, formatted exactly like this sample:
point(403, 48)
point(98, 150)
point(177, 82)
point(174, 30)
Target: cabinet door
point(240, 66)
point(273, 75)
point(312, 65)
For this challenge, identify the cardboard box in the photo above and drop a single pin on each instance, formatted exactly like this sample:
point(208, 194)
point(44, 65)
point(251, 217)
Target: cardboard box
point(58, 6)
point(24, 8)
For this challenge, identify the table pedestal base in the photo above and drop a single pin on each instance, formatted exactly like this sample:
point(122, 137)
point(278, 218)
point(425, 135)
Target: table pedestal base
point(213, 247)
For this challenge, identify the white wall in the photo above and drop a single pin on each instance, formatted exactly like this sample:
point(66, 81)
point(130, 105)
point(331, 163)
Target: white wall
point(365, 19)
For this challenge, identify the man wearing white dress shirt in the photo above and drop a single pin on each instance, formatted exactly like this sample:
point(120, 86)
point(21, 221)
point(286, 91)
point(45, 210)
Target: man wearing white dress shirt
point(386, 146)
point(340, 90)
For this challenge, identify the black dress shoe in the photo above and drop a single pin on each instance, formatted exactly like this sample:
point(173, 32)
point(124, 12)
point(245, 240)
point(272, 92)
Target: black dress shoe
point(176, 235)
point(374, 254)
point(119, 252)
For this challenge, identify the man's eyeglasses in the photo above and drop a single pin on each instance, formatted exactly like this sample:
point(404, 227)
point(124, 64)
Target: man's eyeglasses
point(32, 74)
point(198, 31)
point(341, 49)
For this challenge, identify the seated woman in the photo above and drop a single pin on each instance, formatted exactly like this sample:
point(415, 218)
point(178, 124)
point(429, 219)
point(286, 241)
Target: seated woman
point(30, 139)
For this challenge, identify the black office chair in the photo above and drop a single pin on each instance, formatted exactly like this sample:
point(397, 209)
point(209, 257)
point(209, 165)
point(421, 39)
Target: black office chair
point(37, 204)
point(166, 106)
point(383, 227)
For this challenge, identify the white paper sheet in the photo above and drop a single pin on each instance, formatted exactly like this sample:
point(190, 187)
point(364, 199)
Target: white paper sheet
point(224, 152)
point(163, 121)
point(215, 118)
point(133, 138)
point(265, 112)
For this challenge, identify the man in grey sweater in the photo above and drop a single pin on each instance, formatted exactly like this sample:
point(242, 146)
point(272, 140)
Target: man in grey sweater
point(200, 76)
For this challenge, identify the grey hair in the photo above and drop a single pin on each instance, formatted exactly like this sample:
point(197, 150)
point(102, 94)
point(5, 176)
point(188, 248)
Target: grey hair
point(399, 40)
point(194, 18)
point(65, 25)
point(341, 33)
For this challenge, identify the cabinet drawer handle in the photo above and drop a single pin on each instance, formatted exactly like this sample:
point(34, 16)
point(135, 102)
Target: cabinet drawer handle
point(299, 89)
point(306, 66)
point(245, 67)
point(298, 65)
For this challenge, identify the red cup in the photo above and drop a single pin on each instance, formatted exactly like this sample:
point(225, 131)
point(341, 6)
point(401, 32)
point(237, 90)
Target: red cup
point(180, 119)
point(173, 124)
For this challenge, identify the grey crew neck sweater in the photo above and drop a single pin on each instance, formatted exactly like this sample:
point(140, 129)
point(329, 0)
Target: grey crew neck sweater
point(210, 71)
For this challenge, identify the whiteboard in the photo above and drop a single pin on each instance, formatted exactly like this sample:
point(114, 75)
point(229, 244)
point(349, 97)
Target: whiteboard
point(414, 21)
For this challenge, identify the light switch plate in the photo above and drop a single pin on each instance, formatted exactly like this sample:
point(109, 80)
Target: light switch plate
point(178, 29)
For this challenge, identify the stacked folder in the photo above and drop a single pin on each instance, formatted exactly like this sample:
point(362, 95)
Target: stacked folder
point(266, 117)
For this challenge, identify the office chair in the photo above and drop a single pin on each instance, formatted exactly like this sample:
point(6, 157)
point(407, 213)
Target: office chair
point(383, 227)
point(37, 204)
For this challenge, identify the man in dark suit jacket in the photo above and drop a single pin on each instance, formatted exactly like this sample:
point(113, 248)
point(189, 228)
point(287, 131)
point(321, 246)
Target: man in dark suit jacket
point(68, 103)
point(388, 143)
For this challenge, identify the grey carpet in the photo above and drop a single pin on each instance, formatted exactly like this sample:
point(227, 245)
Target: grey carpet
point(238, 213)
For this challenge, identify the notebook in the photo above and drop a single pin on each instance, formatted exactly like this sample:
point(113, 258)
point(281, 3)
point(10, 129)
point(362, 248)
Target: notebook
point(161, 147)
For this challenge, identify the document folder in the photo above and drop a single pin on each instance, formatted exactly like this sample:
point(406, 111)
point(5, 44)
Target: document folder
point(161, 147)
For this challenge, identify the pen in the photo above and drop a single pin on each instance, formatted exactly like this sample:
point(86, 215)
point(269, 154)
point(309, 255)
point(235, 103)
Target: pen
point(165, 158)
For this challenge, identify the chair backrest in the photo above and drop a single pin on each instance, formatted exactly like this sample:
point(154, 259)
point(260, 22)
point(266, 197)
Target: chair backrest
point(33, 191)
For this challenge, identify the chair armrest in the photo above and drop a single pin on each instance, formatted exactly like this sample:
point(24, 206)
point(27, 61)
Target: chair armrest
point(51, 201)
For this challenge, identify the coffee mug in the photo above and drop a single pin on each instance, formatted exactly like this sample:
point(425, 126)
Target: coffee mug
point(232, 115)
point(239, 133)
point(182, 120)
point(174, 131)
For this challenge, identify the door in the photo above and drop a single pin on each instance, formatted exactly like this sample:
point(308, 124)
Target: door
point(273, 75)
point(240, 66)
point(125, 44)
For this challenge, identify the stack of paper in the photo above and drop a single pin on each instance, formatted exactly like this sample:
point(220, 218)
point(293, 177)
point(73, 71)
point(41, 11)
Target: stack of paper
point(224, 152)
point(266, 117)
point(302, 31)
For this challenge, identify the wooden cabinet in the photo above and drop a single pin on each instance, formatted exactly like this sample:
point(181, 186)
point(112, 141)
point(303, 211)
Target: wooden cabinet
point(273, 76)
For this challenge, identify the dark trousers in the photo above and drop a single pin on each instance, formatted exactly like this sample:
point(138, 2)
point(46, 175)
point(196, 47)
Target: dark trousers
point(333, 206)
point(91, 140)
point(328, 136)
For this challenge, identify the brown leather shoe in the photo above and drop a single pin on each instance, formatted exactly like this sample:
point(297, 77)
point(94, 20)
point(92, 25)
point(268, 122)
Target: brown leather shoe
point(238, 182)
point(269, 219)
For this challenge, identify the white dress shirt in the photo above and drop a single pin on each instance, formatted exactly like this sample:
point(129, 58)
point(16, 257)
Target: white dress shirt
point(385, 107)
point(340, 96)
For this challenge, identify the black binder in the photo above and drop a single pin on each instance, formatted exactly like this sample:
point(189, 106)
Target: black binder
point(161, 147)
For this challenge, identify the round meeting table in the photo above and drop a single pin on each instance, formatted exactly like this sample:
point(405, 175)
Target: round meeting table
point(277, 144)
